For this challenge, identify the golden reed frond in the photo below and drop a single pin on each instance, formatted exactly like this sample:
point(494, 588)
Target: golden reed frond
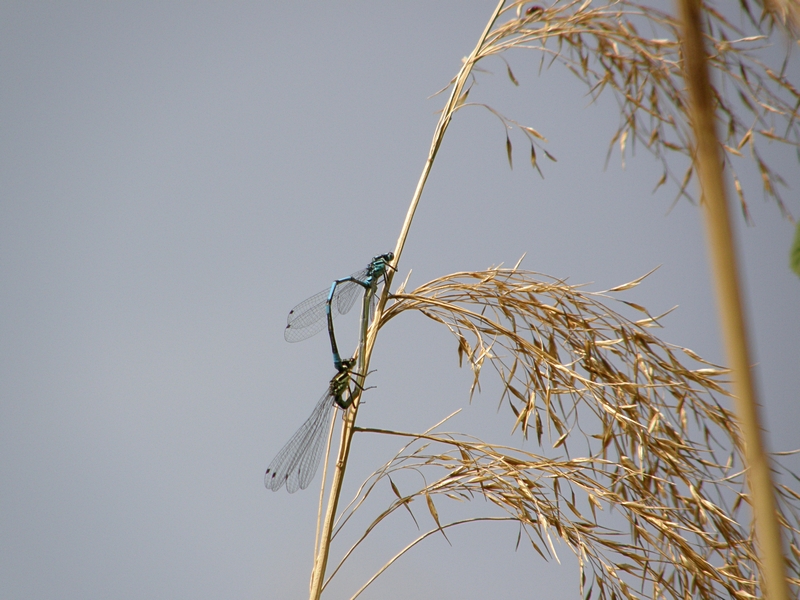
point(646, 485)
point(634, 50)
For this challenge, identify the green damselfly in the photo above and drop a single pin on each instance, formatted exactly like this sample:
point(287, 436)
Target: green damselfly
point(297, 462)
point(306, 319)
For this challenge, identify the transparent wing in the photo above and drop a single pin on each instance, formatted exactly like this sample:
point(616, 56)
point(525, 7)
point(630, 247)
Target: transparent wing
point(347, 292)
point(308, 317)
point(298, 460)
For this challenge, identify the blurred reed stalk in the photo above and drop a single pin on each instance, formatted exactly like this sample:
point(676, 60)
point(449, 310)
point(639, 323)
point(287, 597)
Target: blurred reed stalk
point(722, 249)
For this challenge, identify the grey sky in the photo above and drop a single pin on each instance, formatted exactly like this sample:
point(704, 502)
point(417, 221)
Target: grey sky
point(174, 177)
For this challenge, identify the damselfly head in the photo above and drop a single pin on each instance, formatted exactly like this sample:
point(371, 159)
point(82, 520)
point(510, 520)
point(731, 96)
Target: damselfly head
point(383, 258)
point(347, 365)
point(379, 264)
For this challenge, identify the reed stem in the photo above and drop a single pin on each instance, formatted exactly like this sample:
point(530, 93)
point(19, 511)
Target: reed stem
point(722, 251)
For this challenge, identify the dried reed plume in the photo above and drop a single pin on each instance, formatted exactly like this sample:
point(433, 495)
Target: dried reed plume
point(603, 46)
point(638, 432)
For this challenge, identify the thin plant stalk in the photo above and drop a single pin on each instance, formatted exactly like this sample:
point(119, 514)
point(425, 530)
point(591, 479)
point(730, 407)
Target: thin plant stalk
point(322, 487)
point(724, 265)
point(368, 337)
point(323, 550)
point(456, 98)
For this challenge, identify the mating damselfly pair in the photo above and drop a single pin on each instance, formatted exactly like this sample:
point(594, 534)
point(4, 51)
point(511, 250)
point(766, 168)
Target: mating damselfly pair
point(297, 462)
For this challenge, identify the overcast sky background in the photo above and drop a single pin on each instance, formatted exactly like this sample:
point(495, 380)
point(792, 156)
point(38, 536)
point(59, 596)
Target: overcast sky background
point(174, 177)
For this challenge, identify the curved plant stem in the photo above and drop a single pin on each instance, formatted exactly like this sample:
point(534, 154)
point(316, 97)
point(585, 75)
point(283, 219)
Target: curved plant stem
point(419, 539)
point(368, 338)
point(322, 487)
point(455, 99)
point(724, 264)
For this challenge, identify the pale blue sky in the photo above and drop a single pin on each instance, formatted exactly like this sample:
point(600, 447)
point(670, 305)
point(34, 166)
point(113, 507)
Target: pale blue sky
point(176, 176)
